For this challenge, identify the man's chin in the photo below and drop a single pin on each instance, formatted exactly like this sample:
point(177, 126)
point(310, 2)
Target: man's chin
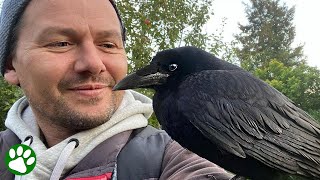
point(79, 123)
point(82, 116)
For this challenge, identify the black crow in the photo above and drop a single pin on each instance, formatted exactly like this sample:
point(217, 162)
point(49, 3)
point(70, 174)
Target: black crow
point(228, 116)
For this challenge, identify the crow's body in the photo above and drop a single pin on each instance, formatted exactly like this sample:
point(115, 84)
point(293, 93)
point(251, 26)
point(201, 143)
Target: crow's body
point(228, 116)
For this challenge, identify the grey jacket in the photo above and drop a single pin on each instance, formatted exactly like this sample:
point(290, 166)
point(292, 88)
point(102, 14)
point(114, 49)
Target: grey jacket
point(147, 153)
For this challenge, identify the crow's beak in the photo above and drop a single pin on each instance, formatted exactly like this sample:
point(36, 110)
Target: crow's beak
point(143, 78)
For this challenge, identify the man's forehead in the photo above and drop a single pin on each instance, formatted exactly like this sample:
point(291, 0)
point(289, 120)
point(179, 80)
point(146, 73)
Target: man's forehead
point(70, 7)
point(97, 15)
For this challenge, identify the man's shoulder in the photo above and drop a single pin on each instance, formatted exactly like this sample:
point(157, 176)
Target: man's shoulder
point(8, 136)
point(149, 132)
point(148, 136)
point(7, 139)
point(142, 156)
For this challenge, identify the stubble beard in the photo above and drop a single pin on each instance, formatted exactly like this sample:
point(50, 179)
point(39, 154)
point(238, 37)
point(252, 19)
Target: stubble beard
point(65, 115)
point(62, 115)
point(69, 118)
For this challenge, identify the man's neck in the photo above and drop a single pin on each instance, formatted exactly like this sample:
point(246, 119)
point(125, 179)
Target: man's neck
point(53, 134)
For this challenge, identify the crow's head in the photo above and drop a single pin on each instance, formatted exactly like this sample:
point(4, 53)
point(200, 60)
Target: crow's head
point(170, 67)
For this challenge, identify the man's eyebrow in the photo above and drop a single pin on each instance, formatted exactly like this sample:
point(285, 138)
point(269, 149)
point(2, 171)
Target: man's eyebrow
point(56, 30)
point(71, 32)
point(109, 33)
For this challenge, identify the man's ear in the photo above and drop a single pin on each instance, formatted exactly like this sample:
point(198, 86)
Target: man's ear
point(10, 74)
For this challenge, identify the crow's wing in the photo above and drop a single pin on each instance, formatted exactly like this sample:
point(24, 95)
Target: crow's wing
point(245, 116)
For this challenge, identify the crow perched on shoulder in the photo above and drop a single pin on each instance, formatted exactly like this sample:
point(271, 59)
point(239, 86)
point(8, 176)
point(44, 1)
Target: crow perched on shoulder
point(226, 115)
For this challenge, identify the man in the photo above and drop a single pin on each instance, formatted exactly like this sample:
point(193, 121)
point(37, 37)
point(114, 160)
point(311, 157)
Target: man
point(66, 55)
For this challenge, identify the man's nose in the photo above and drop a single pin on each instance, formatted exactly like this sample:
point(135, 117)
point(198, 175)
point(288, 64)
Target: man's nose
point(89, 60)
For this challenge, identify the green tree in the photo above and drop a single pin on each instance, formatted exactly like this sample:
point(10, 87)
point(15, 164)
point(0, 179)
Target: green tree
point(268, 35)
point(160, 24)
point(265, 48)
point(8, 95)
point(300, 83)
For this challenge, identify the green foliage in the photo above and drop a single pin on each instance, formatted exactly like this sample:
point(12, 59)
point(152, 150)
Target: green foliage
point(268, 35)
point(300, 83)
point(265, 49)
point(171, 24)
point(8, 95)
point(161, 24)
point(315, 114)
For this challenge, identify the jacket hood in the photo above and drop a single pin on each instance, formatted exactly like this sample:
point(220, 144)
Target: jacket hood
point(133, 113)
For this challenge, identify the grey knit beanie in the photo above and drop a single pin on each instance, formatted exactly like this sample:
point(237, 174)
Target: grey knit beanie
point(11, 12)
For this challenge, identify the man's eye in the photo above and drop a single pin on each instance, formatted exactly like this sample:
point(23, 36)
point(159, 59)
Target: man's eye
point(59, 44)
point(108, 45)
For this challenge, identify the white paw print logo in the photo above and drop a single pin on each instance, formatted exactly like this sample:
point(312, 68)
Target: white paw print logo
point(20, 159)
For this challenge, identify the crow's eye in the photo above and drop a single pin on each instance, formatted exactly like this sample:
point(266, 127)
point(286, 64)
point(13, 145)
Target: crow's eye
point(173, 67)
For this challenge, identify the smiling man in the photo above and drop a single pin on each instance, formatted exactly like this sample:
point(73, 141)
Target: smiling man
point(66, 62)
point(66, 55)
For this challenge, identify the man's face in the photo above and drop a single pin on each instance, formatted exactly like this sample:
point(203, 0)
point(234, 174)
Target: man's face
point(69, 56)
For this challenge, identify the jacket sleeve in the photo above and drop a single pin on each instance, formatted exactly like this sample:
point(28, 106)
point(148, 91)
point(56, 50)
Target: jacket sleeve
point(179, 163)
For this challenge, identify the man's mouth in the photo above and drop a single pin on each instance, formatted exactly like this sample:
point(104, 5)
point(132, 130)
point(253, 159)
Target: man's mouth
point(89, 90)
point(89, 87)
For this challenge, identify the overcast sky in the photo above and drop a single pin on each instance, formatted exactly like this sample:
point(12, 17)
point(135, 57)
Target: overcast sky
point(305, 20)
